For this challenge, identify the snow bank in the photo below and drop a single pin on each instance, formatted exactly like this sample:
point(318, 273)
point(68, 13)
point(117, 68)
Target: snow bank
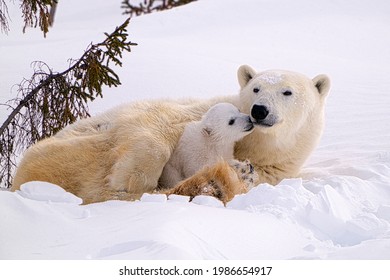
point(283, 222)
point(43, 191)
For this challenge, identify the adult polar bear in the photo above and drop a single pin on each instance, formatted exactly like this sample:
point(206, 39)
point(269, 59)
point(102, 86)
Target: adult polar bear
point(120, 154)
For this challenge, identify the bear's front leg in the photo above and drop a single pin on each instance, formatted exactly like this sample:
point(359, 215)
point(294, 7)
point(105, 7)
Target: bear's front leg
point(274, 174)
point(221, 181)
point(139, 166)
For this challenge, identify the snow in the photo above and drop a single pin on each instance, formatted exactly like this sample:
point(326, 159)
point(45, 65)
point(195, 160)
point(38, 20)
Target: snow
point(146, 197)
point(338, 209)
point(43, 191)
point(271, 79)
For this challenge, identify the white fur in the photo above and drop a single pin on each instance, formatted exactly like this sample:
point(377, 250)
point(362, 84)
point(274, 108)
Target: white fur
point(206, 142)
point(278, 150)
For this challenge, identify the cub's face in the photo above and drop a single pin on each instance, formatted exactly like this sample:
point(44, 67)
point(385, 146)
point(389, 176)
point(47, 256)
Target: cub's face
point(280, 99)
point(226, 122)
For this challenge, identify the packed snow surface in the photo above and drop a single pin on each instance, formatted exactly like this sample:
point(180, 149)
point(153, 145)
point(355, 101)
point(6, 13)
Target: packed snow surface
point(339, 208)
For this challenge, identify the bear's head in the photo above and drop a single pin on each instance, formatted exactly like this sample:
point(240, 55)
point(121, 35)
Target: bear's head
point(225, 122)
point(279, 100)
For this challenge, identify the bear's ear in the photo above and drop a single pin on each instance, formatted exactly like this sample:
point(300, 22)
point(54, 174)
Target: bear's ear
point(322, 83)
point(245, 73)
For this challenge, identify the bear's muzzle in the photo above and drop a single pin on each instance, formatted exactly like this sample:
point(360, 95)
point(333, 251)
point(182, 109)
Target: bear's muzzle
point(261, 116)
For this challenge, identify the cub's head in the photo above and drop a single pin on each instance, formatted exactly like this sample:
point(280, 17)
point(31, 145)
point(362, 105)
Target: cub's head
point(224, 121)
point(281, 100)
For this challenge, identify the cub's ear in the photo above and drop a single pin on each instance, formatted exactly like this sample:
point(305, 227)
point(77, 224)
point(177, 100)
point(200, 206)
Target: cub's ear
point(206, 131)
point(245, 73)
point(322, 83)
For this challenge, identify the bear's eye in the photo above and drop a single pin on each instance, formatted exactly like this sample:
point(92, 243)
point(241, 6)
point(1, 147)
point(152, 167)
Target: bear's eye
point(256, 90)
point(231, 122)
point(287, 93)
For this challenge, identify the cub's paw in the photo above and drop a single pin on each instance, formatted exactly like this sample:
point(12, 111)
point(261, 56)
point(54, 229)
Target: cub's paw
point(245, 171)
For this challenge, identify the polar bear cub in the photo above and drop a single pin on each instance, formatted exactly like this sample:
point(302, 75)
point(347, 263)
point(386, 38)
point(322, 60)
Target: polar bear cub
point(206, 142)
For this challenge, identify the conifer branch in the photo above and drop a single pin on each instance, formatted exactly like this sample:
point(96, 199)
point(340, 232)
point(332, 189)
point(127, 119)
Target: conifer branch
point(4, 16)
point(150, 6)
point(37, 12)
point(49, 101)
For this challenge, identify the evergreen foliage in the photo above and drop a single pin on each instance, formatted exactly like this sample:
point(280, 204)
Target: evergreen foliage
point(34, 12)
point(3, 17)
point(149, 6)
point(51, 100)
point(37, 13)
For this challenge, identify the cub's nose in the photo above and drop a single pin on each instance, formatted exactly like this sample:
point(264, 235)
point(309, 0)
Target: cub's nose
point(259, 112)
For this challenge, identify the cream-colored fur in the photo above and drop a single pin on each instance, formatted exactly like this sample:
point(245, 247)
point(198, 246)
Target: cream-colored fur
point(279, 151)
point(121, 153)
point(123, 150)
point(205, 142)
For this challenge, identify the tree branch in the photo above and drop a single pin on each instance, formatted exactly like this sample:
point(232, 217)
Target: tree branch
point(53, 100)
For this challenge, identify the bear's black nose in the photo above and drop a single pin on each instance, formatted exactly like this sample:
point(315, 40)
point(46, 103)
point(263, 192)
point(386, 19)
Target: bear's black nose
point(259, 112)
